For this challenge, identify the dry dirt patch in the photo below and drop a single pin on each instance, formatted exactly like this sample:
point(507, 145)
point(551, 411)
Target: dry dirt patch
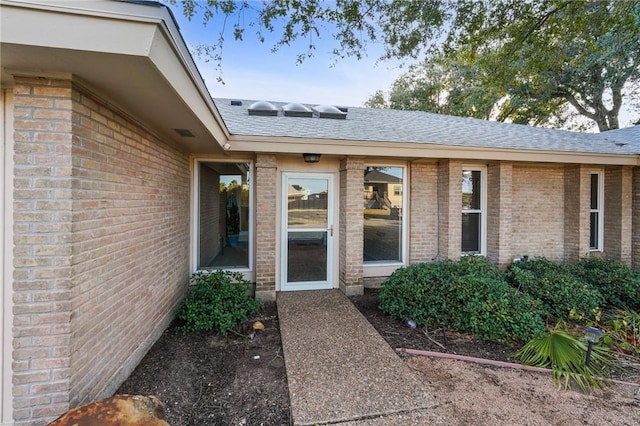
point(469, 394)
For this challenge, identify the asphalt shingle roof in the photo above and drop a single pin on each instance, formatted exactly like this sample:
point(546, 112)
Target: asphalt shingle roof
point(386, 125)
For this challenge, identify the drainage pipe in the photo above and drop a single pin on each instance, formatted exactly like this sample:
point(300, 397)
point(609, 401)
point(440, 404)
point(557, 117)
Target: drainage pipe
point(491, 362)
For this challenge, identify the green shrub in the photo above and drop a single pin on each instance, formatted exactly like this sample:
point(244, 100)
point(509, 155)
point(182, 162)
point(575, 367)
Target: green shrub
point(216, 301)
point(470, 296)
point(556, 287)
point(618, 284)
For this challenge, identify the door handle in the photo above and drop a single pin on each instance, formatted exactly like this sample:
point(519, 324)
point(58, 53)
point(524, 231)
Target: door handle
point(330, 229)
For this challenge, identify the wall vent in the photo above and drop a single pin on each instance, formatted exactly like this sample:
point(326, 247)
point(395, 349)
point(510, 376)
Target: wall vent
point(185, 133)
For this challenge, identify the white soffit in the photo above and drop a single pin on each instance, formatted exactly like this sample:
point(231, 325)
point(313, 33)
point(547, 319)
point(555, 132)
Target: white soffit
point(130, 54)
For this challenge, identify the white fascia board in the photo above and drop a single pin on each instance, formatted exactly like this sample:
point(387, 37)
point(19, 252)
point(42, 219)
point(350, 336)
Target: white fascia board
point(187, 84)
point(113, 27)
point(420, 150)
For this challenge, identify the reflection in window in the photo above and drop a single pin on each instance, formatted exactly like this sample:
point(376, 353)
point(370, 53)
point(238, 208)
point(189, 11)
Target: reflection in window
point(383, 201)
point(223, 230)
point(595, 234)
point(472, 212)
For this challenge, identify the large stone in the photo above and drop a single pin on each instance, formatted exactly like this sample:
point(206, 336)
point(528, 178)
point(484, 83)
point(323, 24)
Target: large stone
point(119, 410)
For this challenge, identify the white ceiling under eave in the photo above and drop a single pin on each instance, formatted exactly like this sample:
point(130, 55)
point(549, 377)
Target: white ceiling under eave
point(132, 55)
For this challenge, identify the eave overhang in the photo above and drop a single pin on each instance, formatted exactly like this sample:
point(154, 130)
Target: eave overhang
point(407, 150)
point(130, 54)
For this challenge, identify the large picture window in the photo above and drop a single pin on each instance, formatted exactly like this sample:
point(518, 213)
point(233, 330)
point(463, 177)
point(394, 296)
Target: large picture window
point(224, 198)
point(473, 211)
point(383, 222)
point(596, 219)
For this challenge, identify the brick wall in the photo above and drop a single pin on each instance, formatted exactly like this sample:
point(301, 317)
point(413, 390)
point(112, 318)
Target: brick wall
point(617, 213)
point(423, 212)
point(450, 202)
point(635, 214)
point(577, 205)
point(351, 226)
point(266, 215)
point(42, 248)
point(499, 213)
point(538, 211)
point(102, 243)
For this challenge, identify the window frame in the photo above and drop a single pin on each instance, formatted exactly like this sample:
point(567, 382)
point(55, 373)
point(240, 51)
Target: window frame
point(482, 211)
point(385, 268)
point(599, 210)
point(249, 271)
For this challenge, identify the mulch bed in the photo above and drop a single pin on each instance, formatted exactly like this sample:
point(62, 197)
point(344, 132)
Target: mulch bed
point(207, 379)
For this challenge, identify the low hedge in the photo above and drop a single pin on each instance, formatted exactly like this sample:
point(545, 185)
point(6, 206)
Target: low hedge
point(469, 296)
point(555, 285)
point(618, 284)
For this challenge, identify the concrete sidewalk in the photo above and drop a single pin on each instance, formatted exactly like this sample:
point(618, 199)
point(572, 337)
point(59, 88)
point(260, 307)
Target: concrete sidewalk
point(340, 370)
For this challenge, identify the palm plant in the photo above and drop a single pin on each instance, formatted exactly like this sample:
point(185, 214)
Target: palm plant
point(565, 355)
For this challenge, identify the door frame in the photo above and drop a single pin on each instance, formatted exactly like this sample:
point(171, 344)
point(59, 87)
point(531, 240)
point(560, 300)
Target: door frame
point(332, 237)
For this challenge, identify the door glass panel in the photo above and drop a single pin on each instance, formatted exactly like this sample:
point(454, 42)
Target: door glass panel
point(307, 203)
point(307, 256)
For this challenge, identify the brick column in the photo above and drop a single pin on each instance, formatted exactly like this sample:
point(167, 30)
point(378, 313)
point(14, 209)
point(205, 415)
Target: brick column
point(577, 204)
point(450, 209)
point(351, 226)
point(42, 248)
point(423, 212)
point(617, 212)
point(499, 213)
point(266, 208)
point(635, 214)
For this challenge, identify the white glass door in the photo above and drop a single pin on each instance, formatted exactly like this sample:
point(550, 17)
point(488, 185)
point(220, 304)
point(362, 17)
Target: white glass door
point(307, 231)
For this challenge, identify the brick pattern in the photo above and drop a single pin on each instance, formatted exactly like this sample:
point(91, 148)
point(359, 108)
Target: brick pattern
point(538, 211)
point(101, 242)
point(42, 248)
point(450, 202)
point(617, 212)
point(130, 262)
point(577, 206)
point(635, 216)
point(351, 226)
point(423, 212)
point(266, 214)
point(499, 209)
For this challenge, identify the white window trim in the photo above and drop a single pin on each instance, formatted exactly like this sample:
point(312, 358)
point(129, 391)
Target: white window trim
point(249, 273)
point(6, 268)
point(380, 269)
point(482, 210)
point(599, 210)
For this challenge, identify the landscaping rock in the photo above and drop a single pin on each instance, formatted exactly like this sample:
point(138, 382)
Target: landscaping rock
point(119, 410)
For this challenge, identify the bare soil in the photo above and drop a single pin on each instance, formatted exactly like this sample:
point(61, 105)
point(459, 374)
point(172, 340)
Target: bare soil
point(241, 380)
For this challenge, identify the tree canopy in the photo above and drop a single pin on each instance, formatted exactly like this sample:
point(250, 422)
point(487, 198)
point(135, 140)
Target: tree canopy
point(522, 61)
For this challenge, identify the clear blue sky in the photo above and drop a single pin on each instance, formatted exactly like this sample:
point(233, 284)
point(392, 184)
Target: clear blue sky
point(252, 71)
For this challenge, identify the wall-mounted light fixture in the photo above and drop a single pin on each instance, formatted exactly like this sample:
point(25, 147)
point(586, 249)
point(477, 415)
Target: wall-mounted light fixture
point(311, 158)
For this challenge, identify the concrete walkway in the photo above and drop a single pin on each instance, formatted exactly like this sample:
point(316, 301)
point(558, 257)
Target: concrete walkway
point(340, 370)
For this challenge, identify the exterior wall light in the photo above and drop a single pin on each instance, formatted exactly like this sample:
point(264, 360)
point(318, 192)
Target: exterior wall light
point(592, 335)
point(311, 158)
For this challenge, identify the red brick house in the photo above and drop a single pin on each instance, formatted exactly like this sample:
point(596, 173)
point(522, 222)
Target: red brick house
point(121, 176)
